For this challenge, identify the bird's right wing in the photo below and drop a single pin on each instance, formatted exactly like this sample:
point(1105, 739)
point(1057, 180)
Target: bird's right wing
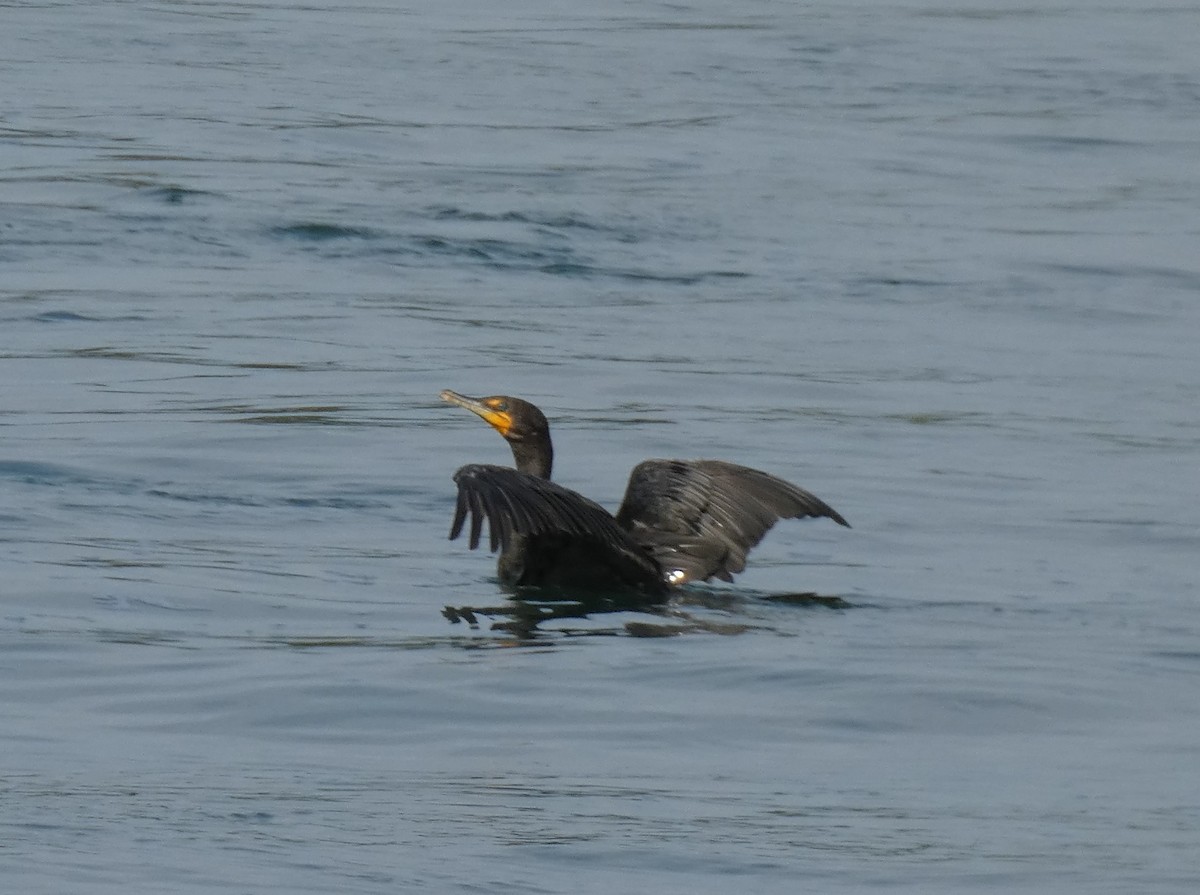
point(699, 518)
point(516, 503)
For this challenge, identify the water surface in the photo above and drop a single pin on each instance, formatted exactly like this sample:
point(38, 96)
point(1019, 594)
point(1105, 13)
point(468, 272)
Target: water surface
point(935, 262)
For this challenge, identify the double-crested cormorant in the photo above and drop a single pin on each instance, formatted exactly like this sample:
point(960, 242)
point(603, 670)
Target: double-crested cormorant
point(680, 521)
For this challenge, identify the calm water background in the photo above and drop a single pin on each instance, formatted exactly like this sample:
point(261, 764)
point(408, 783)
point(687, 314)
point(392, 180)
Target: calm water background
point(936, 261)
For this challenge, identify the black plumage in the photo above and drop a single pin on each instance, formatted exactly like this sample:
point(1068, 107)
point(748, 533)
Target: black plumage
point(680, 520)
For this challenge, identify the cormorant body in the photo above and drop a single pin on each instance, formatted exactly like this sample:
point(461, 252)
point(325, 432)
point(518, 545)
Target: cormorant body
point(680, 520)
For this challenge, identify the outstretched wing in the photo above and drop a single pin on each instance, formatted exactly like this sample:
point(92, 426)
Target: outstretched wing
point(516, 503)
point(699, 518)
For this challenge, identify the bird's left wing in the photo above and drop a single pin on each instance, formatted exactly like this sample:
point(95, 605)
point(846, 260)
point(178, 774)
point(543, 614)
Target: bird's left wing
point(699, 518)
point(515, 502)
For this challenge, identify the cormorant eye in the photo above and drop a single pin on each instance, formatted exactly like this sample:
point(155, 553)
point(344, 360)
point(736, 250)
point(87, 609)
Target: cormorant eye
point(501, 406)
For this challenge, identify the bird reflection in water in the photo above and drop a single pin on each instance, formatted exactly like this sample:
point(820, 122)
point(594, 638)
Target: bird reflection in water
point(680, 521)
point(523, 616)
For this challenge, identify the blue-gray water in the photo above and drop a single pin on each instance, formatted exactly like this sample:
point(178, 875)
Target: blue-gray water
point(935, 261)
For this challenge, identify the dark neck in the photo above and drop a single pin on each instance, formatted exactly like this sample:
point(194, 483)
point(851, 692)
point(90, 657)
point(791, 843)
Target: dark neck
point(535, 457)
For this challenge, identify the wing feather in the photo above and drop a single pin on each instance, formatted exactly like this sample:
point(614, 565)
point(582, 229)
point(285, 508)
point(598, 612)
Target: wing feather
point(460, 515)
point(516, 503)
point(700, 518)
point(478, 510)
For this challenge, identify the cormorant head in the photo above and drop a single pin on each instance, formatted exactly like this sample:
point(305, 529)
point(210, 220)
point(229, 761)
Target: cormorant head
point(523, 426)
point(516, 420)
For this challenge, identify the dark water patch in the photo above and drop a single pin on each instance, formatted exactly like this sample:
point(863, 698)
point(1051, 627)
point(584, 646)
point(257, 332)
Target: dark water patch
point(1059, 143)
point(334, 121)
point(176, 157)
point(558, 261)
point(134, 604)
point(30, 134)
point(1172, 277)
point(494, 253)
point(667, 25)
point(932, 418)
point(902, 289)
point(69, 300)
point(283, 418)
point(693, 121)
point(239, 500)
point(947, 375)
point(1167, 443)
point(53, 317)
point(652, 360)
point(546, 255)
point(279, 365)
point(321, 414)
point(175, 195)
point(108, 352)
point(518, 323)
point(337, 641)
point(827, 415)
point(808, 599)
point(146, 188)
point(102, 563)
point(1188, 657)
point(35, 473)
point(63, 317)
point(988, 14)
point(318, 231)
point(599, 421)
point(1109, 520)
point(32, 472)
point(741, 600)
point(549, 224)
point(339, 502)
point(175, 639)
point(676, 629)
point(589, 271)
point(197, 639)
point(497, 253)
point(549, 221)
point(336, 503)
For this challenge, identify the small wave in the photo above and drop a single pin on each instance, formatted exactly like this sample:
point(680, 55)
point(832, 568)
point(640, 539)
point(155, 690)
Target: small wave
point(566, 221)
point(317, 231)
point(196, 497)
point(680, 279)
point(241, 500)
point(32, 472)
point(63, 317)
point(172, 194)
point(541, 247)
